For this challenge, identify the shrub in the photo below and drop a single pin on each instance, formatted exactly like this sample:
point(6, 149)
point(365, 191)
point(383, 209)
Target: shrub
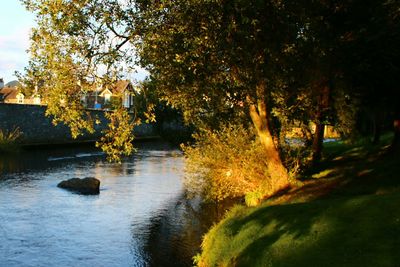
point(226, 163)
point(8, 140)
point(297, 157)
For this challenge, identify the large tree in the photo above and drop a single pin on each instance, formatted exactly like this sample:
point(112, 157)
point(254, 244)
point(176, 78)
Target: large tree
point(205, 57)
point(372, 59)
point(351, 55)
point(208, 56)
point(216, 59)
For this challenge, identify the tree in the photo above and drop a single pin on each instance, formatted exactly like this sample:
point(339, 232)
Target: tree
point(74, 47)
point(209, 56)
point(215, 59)
point(372, 56)
point(324, 25)
point(351, 54)
point(205, 57)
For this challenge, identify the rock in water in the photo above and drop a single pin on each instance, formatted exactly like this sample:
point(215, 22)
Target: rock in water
point(87, 186)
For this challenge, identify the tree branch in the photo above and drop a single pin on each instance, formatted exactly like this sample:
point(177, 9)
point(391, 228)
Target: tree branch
point(111, 28)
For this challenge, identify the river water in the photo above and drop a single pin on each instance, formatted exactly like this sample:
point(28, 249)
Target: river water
point(140, 217)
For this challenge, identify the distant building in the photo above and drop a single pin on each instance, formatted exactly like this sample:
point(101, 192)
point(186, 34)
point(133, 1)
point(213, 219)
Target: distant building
point(8, 93)
point(1, 83)
point(36, 99)
point(106, 94)
point(101, 98)
point(11, 94)
point(124, 90)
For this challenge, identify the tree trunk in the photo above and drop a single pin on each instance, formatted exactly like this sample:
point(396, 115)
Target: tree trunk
point(322, 106)
point(396, 138)
point(396, 128)
point(376, 128)
point(276, 170)
point(318, 141)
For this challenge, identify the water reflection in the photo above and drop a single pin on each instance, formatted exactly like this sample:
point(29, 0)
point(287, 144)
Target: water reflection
point(175, 235)
point(140, 217)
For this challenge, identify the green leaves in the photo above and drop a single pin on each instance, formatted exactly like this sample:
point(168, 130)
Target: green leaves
point(225, 163)
point(117, 139)
point(206, 57)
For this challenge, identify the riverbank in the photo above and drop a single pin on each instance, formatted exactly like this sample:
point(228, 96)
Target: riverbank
point(345, 213)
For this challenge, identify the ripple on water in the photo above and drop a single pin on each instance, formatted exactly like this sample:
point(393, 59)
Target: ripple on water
point(43, 225)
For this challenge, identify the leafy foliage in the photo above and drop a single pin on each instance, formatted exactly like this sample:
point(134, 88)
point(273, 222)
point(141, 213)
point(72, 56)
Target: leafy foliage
point(72, 53)
point(206, 57)
point(276, 64)
point(280, 232)
point(117, 139)
point(225, 163)
point(8, 140)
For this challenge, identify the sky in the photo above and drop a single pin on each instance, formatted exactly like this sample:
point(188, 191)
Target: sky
point(15, 27)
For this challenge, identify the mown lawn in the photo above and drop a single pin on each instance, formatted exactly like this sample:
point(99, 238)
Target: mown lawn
point(347, 213)
point(352, 231)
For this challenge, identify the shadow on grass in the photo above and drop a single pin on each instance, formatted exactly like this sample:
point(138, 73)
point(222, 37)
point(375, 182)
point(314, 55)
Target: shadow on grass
point(349, 170)
point(362, 231)
point(347, 214)
point(374, 174)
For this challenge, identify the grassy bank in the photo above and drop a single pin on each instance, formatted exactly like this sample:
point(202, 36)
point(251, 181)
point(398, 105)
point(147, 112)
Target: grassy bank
point(345, 213)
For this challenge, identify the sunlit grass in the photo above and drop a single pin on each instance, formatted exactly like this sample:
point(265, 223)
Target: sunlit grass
point(357, 231)
point(322, 174)
point(345, 212)
point(340, 149)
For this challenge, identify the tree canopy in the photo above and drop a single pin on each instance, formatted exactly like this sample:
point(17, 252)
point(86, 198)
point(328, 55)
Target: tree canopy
point(219, 60)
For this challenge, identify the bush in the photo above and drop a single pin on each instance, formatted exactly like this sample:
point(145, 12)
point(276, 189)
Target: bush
point(8, 140)
point(296, 155)
point(227, 163)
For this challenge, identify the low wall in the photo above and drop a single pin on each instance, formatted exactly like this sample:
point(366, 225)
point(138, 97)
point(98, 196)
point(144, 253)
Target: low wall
point(36, 128)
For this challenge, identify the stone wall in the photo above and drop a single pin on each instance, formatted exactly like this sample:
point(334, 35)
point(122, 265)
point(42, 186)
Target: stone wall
point(36, 128)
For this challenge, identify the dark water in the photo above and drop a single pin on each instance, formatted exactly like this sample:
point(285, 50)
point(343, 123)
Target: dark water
point(140, 217)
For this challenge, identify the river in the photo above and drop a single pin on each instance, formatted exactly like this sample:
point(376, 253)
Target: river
point(140, 217)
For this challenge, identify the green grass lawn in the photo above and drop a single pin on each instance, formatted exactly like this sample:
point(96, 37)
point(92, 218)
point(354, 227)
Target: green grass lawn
point(355, 231)
point(346, 213)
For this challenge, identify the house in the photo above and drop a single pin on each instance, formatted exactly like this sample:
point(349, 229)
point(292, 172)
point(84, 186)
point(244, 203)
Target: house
point(98, 98)
point(123, 89)
point(36, 99)
point(12, 94)
point(106, 94)
point(101, 98)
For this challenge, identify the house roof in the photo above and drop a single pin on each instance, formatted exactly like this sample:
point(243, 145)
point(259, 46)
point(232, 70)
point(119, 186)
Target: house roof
point(105, 91)
point(121, 86)
point(118, 87)
point(14, 83)
point(9, 92)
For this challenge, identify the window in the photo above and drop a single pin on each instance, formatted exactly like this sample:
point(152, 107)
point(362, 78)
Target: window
point(36, 100)
point(126, 100)
point(107, 98)
point(20, 98)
